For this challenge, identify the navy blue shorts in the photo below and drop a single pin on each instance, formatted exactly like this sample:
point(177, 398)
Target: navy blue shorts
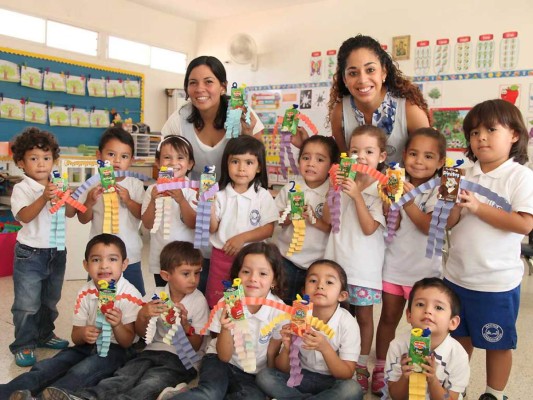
point(488, 318)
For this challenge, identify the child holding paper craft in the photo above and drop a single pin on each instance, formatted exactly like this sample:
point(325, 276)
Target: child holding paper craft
point(117, 146)
point(39, 266)
point(174, 152)
point(317, 154)
point(260, 268)
point(359, 246)
point(486, 272)
point(244, 211)
point(327, 365)
point(80, 365)
point(432, 304)
point(405, 259)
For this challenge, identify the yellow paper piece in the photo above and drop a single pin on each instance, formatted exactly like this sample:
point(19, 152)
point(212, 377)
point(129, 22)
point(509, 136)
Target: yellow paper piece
point(417, 386)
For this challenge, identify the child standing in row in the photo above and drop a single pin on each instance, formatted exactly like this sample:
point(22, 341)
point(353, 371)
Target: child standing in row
point(317, 154)
point(327, 365)
point(359, 246)
point(38, 269)
point(405, 258)
point(173, 152)
point(243, 211)
point(486, 271)
point(117, 146)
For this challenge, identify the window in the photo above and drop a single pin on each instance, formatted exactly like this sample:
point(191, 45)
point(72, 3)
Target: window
point(168, 60)
point(22, 26)
point(67, 37)
point(126, 50)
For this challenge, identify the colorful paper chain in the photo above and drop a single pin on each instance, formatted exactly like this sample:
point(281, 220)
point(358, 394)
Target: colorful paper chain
point(203, 217)
point(96, 178)
point(163, 207)
point(417, 386)
point(298, 237)
point(57, 226)
point(234, 115)
point(295, 375)
point(111, 213)
point(178, 184)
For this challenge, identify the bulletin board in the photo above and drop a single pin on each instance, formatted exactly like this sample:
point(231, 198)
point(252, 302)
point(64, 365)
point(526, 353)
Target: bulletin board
point(71, 99)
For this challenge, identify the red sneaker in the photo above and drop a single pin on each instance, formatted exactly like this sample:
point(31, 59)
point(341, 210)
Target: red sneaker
point(378, 381)
point(361, 376)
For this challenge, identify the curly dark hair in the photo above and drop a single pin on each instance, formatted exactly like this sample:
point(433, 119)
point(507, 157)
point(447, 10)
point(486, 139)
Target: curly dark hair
point(397, 84)
point(32, 138)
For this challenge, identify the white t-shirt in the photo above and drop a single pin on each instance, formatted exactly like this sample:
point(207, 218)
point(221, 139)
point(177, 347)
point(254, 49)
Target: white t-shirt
point(346, 343)
point(360, 255)
point(240, 213)
point(197, 315)
point(128, 224)
point(178, 229)
point(453, 368)
point(256, 322)
point(87, 305)
point(405, 256)
point(315, 239)
point(482, 257)
point(203, 154)
point(35, 233)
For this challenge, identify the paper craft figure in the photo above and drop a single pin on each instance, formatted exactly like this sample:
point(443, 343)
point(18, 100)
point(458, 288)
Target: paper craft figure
point(391, 192)
point(106, 301)
point(208, 189)
point(419, 348)
point(238, 105)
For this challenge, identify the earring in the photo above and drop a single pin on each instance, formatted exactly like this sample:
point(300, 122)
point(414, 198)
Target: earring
point(272, 287)
point(384, 80)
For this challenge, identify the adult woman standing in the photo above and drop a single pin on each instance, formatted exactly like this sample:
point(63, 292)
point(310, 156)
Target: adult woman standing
point(368, 88)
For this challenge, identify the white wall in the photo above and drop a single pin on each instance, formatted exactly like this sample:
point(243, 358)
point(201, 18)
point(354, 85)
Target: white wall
point(120, 18)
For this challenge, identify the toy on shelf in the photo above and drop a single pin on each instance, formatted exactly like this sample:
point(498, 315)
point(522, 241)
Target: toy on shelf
point(238, 105)
point(208, 189)
point(391, 192)
point(289, 126)
point(106, 301)
point(419, 349)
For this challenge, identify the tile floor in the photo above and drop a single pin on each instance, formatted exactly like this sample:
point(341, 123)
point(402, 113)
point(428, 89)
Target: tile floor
point(520, 383)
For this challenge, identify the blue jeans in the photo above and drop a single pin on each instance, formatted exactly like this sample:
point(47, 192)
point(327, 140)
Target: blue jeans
point(220, 380)
point(134, 275)
point(38, 279)
point(294, 280)
point(70, 369)
point(143, 377)
point(314, 386)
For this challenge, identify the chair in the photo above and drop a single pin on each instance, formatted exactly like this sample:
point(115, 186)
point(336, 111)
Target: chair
point(527, 252)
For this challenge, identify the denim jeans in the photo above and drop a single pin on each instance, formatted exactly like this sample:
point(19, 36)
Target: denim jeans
point(220, 380)
point(314, 386)
point(134, 275)
point(38, 279)
point(143, 377)
point(70, 369)
point(294, 280)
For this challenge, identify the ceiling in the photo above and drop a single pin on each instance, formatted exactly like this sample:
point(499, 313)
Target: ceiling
point(203, 10)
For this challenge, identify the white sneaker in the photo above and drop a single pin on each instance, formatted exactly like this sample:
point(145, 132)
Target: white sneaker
point(170, 392)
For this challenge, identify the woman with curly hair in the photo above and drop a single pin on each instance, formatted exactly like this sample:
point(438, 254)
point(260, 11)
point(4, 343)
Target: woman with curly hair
point(368, 88)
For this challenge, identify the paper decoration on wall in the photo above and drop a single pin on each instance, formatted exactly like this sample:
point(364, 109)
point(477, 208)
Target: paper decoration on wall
point(268, 100)
point(331, 62)
point(509, 47)
point(315, 70)
point(320, 97)
point(132, 89)
point(530, 98)
point(35, 113)
point(96, 87)
point(485, 52)
point(99, 119)
point(59, 116)
point(463, 54)
point(449, 121)
point(9, 71)
point(114, 88)
point(510, 93)
point(11, 109)
point(433, 93)
point(31, 77)
point(54, 82)
point(441, 59)
point(306, 99)
point(79, 118)
point(76, 85)
point(422, 57)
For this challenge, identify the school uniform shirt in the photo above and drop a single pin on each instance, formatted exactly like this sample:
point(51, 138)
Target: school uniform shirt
point(346, 343)
point(35, 233)
point(451, 359)
point(204, 154)
point(87, 304)
point(405, 256)
point(178, 229)
point(240, 213)
point(128, 224)
point(315, 240)
point(360, 255)
point(197, 315)
point(482, 257)
point(256, 322)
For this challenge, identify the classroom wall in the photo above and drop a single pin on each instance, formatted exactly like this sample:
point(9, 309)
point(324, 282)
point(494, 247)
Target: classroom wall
point(120, 18)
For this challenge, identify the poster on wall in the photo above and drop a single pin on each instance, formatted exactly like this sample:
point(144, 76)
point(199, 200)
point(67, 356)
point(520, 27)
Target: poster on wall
point(331, 61)
point(96, 87)
point(422, 57)
point(54, 82)
point(11, 109)
point(35, 113)
point(306, 97)
point(441, 58)
point(485, 53)
point(31, 77)
point(449, 121)
point(433, 92)
point(530, 98)
point(315, 70)
point(76, 85)
point(463, 54)
point(9, 71)
point(509, 47)
point(510, 93)
point(59, 116)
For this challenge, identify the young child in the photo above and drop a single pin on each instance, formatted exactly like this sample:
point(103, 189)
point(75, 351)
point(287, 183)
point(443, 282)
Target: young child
point(486, 270)
point(243, 212)
point(317, 154)
point(327, 365)
point(39, 268)
point(158, 365)
point(117, 146)
point(432, 304)
point(173, 152)
point(405, 258)
point(80, 365)
point(359, 246)
point(260, 268)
